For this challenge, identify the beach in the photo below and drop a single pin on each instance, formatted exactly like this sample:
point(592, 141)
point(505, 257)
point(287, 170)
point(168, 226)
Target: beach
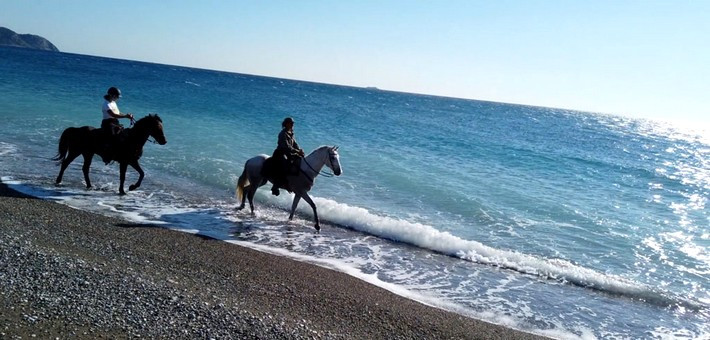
point(70, 273)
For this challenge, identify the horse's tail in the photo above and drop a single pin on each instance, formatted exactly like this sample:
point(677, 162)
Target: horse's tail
point(63, 147)
point(241, 183)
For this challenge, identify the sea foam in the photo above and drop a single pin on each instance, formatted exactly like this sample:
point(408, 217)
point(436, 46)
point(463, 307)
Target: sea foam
point(428, 237)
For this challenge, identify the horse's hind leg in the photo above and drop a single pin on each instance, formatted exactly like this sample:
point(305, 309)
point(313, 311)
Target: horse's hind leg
point(245, 193)
point(250, 196)
point(255, 183)
point(85, 168)
point(65, 163)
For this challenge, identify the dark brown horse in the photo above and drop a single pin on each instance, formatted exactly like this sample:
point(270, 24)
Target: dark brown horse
point(87, 141)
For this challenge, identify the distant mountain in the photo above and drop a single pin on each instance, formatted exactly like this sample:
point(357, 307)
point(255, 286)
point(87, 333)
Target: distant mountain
point(10, 38)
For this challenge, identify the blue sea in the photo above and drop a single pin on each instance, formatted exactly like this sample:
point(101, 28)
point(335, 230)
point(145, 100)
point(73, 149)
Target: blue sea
point(561, 223)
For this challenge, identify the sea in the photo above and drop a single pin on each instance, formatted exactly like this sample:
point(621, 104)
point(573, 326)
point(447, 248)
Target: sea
point(567, 224)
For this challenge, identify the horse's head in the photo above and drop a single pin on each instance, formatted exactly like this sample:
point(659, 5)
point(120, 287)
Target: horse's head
point(154, 126)
point(333, 161)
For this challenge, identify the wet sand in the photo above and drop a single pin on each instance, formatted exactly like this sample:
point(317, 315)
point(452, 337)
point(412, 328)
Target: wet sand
point(70, 273)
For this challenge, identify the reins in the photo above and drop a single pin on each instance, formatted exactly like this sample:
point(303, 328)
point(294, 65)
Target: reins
point(322, 173)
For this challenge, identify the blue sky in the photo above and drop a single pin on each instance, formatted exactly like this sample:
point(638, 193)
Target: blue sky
point(647, 59)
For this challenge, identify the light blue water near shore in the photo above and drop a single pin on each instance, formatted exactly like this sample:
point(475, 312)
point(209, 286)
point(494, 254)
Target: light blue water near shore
point(562, 223)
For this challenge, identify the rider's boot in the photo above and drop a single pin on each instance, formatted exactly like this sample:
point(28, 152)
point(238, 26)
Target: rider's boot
point(279, 181)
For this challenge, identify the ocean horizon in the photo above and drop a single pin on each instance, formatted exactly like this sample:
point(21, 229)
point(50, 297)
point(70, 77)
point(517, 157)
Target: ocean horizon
point(558, 222)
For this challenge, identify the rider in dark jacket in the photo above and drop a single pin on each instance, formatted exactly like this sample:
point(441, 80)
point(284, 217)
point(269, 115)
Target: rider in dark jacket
point(286, 153)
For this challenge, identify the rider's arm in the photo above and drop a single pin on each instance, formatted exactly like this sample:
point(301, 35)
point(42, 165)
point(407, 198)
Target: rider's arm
point(114, 115)
point(282, 143)
point(288, 145)
point(297, 149)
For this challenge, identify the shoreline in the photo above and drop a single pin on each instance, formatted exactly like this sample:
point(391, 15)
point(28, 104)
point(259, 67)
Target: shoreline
point(66, 272)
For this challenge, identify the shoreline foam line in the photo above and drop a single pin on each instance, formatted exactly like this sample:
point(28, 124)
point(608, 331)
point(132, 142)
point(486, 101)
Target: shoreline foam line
point(429, 238)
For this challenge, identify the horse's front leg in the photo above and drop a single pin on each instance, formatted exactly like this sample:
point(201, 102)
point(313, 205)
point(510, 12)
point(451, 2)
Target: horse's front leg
point(85, 168)
point(313, 206)
point(122, 175)
point(137, 166)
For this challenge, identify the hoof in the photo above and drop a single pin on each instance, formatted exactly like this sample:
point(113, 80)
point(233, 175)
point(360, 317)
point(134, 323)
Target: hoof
point(239, 207)
point(317, 226)
point(122, 193)
point(132, 187)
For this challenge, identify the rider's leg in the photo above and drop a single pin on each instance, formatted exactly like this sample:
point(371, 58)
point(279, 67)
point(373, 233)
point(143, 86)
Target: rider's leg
point(279, 174)
point(277, 182)
point(110, 129)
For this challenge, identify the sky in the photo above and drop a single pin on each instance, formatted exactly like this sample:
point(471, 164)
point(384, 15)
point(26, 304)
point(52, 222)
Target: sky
point(644, 59)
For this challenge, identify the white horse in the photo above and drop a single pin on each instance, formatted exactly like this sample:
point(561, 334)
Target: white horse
point(251, 178)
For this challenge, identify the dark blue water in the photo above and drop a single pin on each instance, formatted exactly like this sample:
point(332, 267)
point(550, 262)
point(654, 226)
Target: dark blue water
point(563, 223)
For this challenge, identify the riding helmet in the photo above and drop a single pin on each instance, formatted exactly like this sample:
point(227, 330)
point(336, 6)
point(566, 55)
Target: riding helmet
point(287, 120)
point(112, 91)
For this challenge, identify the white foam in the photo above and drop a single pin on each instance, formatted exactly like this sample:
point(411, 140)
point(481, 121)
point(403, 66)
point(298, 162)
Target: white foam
point(428, 237)
point(133, 216)
point(488, 316)
point(9, 180)
point(7, 149)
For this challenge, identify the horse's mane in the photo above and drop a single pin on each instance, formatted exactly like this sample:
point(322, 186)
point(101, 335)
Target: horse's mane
point(141, 125)
point(148, 118)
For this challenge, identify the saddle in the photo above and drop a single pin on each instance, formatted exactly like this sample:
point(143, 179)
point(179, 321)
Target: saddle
point(293, 166)
point(272, 168)
point(277, 170)
point(111, 136)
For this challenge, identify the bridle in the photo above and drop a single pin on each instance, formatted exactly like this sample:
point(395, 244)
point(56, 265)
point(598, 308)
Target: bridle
point(150, 138)
point(331, 155)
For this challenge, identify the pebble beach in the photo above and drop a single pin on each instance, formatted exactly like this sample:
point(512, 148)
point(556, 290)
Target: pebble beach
point(66, 273)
